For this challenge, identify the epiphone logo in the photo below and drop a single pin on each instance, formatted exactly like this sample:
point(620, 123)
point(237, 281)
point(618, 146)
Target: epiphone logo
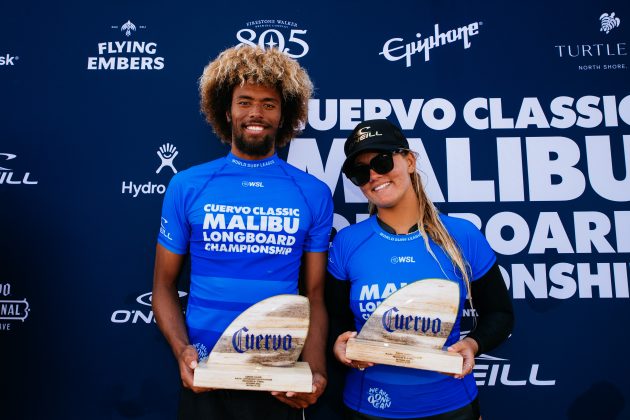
point(393, 321)
point(242, 342)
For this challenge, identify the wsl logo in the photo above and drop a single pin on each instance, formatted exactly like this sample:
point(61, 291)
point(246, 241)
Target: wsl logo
point(275, 33)
point(167, 154)
point(126, 54)
point(242, 341)
point(9, 177)
point(255, 184)
point(402, 260)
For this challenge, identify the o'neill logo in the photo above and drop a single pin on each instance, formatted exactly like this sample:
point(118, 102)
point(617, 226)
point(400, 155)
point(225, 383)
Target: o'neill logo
point(494, 371)
point(396, 49)
point(163, 230)
point(363, 134)
point(138, 316)
point(126, 54)
point(11, 310)
point(275, 33)
point(8, 176)
point(167, 153)
point(609, 22)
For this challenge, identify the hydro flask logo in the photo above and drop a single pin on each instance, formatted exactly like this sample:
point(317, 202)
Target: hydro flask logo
point(167, 153)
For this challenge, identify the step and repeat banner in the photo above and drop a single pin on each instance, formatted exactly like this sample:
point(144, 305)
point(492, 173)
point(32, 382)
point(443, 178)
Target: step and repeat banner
point(520, 113)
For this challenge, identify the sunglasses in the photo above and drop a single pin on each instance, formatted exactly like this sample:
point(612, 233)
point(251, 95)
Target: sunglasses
point(381, 164)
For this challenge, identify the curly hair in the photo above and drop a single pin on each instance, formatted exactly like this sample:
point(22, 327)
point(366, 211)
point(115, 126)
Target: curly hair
point(246, 64)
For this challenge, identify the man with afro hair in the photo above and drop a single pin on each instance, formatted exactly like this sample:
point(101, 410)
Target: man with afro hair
point(252, 225)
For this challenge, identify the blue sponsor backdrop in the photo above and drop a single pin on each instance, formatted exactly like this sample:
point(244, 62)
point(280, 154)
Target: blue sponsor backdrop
point(521, 114)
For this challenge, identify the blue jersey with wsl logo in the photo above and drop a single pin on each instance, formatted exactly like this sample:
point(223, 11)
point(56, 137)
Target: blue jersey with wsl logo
point(246, 225)
point(377, 263)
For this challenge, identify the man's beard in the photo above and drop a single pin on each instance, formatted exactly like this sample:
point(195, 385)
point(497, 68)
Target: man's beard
point(254, 148)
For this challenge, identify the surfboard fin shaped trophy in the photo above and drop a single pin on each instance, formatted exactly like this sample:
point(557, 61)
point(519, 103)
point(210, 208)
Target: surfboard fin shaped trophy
point(410, 327)
point(259, 350)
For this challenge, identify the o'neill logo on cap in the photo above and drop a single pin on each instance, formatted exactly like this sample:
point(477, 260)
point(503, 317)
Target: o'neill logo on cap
point(363, 134)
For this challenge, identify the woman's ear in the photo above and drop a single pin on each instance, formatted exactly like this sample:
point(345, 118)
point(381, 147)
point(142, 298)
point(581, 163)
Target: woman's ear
point(411, 162)
point(228, 117)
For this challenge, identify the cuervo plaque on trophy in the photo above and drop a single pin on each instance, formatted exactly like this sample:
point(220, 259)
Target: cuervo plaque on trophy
point(259, 350)
point(410, 327)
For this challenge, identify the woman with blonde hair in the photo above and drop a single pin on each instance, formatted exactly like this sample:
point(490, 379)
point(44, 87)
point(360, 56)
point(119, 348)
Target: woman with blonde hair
point(405, 222)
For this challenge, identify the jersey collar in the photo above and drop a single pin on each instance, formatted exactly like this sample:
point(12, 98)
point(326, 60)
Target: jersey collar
point(243, 163)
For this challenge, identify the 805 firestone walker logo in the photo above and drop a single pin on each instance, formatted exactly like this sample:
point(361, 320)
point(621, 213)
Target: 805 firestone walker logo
point(126, 54)
point(275, 33)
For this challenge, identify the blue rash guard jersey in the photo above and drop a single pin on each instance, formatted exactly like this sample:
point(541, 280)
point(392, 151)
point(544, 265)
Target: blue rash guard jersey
point(246, 225)
point(377, 263)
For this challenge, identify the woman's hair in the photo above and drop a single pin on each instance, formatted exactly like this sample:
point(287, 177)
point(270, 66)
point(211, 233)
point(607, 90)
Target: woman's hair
point(430, 225)
point(246, 64)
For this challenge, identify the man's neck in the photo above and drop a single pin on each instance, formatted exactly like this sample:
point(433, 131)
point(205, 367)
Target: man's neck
point(244, 156)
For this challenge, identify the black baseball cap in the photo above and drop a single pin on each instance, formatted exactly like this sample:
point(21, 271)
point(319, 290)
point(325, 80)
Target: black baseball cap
point(373, 136)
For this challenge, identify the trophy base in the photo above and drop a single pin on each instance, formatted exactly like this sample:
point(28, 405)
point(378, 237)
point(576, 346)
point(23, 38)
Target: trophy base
point(404, 356)
point(254, 377)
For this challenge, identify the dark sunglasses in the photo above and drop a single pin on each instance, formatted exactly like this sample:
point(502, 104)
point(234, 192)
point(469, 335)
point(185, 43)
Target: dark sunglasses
point(381, 164)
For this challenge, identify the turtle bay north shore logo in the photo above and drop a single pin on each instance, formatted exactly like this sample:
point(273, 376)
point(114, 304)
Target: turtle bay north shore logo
point(609, 22)
point(126, 53)
point(396, 49)
point(599, 53)
point(275, 33)
point(167, 154)
point(11, 309)
point(9, 176)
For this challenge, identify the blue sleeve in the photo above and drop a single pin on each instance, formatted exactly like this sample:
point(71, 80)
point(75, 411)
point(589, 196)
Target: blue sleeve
point(174, 227)
point(336, 264)
point(477, 251)
point(318, 237)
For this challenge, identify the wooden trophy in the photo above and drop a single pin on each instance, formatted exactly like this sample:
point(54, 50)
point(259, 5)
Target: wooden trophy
point(259, 350)
point(410, 327)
